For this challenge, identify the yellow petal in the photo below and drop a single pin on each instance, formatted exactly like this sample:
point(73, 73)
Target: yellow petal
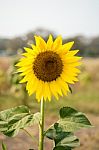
point(24, 68)
point(46, 91)
point(63, 85)
point(49, 42)
point(67, 78)
point(70, 76)
point(25, 63)
point(57, 43)
point(32, 85)
point(72, 69)
point(72, 53)
point(29, 55)
point(26, 72)
point(29, 50)
point(71, 59)
point(74, 64)
point(53, 90)
point(40, 43)
point(65, 48)
point(24, 80)
point(27, 78)
point(75, 79)
point(43, 43)
point(39, 91)
point(24, 60)
point(58, 88)
point(33, 46)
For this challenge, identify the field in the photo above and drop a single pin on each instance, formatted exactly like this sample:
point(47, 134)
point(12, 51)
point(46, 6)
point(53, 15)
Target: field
point(84, 97)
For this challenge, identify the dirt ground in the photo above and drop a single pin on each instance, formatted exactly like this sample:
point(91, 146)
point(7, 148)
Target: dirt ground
point(89, 138)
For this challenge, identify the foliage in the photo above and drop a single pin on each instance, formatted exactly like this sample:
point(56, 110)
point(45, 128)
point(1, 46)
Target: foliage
point(14, 119)
point(72, 120)
point(85, 76)
point(3, 81)
point(16, 88)
point(63, 140)
point(88, 46)
point(62, 132)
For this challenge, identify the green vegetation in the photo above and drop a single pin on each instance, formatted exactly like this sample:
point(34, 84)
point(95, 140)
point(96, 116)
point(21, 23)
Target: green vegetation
point(61, 132)
point(89, 47)
point(86, 101)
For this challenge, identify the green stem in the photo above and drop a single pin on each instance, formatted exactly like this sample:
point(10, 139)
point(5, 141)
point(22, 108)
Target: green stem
point(41, 127)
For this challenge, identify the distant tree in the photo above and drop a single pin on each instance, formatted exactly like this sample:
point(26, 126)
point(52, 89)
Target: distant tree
point(89, 47)
point(3, 43)
point(93, 47)
point(79, 43)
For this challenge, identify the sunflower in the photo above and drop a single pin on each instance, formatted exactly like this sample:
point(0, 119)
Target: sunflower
point(48, 68)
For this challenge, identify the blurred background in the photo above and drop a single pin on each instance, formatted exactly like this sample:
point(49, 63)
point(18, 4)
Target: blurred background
point(75, 21)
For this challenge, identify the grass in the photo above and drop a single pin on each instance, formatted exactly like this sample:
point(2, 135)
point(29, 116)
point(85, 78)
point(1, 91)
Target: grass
point(86, 101)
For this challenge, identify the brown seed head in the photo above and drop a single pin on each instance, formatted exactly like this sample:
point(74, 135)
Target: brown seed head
point(47, 66)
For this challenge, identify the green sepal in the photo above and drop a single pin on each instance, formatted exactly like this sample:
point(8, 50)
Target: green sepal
point(70, 89)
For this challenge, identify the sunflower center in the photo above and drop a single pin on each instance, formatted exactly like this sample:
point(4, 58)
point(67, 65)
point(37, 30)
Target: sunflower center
point(47, 66)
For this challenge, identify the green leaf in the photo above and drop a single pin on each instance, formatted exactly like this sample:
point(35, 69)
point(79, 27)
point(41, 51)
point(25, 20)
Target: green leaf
point(62, 131)
point(72, 120)
point(63, 140)
point(4, 146)
point(61, 148)
point(14, 119)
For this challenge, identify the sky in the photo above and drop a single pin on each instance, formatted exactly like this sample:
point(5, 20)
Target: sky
point(64, 17)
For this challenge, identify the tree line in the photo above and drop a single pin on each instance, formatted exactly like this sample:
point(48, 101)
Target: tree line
point(89, 47)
